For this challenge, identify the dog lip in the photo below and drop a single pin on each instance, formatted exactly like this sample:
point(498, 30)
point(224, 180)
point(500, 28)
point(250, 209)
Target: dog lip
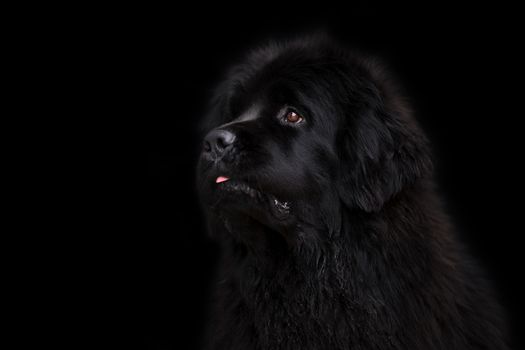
point(279, 208)
point(237, 186)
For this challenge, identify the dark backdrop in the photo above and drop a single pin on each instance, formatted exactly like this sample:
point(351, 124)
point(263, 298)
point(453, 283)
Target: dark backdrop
point(154, 70)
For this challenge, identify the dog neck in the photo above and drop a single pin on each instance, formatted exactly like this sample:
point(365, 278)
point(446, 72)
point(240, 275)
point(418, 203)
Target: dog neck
point(260, 260)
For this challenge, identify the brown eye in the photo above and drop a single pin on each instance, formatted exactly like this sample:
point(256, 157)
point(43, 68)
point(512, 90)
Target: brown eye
point(294, 118)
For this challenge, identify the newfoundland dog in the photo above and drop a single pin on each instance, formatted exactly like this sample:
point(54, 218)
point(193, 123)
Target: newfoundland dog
point(316, 180)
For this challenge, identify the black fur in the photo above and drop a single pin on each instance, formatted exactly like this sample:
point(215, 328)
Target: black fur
point(333, 236)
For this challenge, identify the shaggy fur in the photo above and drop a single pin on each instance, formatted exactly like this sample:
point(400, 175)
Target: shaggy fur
point(333, 236)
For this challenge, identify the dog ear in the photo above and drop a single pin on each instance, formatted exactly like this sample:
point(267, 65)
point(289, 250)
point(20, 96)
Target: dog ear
point(382, 152)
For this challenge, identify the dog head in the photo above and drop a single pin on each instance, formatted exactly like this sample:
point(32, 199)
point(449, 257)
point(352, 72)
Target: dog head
point(306, 129)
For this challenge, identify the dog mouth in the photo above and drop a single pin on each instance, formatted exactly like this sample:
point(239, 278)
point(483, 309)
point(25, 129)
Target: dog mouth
point(248, 195)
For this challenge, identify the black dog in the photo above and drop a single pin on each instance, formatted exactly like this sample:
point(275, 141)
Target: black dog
point(317, 181)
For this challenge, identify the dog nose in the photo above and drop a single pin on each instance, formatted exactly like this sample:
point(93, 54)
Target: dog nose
point(217, 142)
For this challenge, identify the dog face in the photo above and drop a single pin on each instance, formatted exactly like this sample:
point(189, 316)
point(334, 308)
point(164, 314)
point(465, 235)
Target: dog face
point(305, 131)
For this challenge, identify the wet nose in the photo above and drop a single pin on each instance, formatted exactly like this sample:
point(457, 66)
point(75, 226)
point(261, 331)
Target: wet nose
point(217, 142)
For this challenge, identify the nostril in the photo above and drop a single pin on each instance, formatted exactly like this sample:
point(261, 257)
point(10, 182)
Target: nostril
point(221, 143)
point(206, 146)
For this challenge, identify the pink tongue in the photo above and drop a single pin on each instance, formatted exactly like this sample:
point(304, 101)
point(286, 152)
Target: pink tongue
point(221, 179)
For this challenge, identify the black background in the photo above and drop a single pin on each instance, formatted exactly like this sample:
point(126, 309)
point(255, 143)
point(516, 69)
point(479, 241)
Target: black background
point(151, 73)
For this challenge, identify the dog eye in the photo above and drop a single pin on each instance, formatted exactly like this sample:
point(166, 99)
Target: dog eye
point(293, 118)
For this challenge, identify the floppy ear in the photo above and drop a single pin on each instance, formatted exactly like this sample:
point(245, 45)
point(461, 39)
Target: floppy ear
point(383, 151)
